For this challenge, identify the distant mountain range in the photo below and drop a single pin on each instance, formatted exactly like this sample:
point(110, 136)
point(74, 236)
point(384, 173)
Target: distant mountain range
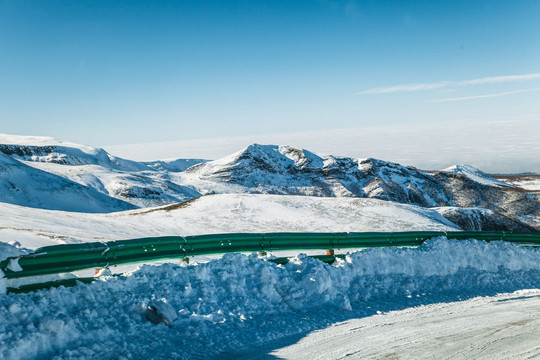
point(45, 173)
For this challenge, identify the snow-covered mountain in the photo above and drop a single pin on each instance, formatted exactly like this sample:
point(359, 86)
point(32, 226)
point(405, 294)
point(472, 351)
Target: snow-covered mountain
point(24, 185)
point(478, 219)
point(135, 184)
point(286, 170)
point(115, 184)
point(271, 169)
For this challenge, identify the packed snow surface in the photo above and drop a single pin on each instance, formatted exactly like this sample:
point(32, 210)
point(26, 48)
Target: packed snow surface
point(226, 308)
point(501, 327)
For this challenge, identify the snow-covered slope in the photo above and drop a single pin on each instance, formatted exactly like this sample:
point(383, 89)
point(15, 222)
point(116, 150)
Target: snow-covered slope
point(139, 184)
point(141, 189)
point(34, 228)
point(49, 150)
point(475, 175)
point(26, 186)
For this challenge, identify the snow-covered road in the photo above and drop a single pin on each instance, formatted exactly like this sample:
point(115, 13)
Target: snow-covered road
point(505, 326)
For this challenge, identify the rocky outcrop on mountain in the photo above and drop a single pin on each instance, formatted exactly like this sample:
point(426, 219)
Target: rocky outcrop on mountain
point(509, 201)
point(177, 165)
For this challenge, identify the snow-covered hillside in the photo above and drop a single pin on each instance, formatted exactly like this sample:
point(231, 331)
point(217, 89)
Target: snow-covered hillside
point(26, 186)
point(34, 228)
point(475, 175)
point(136, 184)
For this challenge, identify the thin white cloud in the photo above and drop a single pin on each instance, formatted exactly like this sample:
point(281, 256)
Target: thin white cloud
point(484, 96)
point(407, 87)
point(443, 84)
point(500, 79)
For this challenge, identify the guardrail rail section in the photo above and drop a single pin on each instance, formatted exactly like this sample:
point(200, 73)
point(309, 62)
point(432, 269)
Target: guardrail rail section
point(60, 259)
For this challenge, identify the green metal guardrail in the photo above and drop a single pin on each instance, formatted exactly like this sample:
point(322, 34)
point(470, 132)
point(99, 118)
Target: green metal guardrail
point(67, 258)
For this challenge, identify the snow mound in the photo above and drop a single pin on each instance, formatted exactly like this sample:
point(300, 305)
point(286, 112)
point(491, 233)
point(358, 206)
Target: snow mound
point(11, 249)
point(241, 301)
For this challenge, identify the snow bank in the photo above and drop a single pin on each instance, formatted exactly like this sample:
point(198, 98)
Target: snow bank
point(174, 311)
point(12, 248)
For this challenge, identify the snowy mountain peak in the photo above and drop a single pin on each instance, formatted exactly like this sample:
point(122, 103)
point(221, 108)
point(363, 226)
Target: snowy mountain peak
point(476, 175)
point(268, 158)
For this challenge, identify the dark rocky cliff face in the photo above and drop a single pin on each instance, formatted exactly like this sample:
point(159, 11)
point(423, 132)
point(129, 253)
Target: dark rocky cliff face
point(27, 151)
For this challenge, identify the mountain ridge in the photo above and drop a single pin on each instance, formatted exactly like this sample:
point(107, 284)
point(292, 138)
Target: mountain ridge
point(270, 169)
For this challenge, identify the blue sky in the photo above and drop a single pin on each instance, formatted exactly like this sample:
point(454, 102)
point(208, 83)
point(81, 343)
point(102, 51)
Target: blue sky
point(121, 72)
